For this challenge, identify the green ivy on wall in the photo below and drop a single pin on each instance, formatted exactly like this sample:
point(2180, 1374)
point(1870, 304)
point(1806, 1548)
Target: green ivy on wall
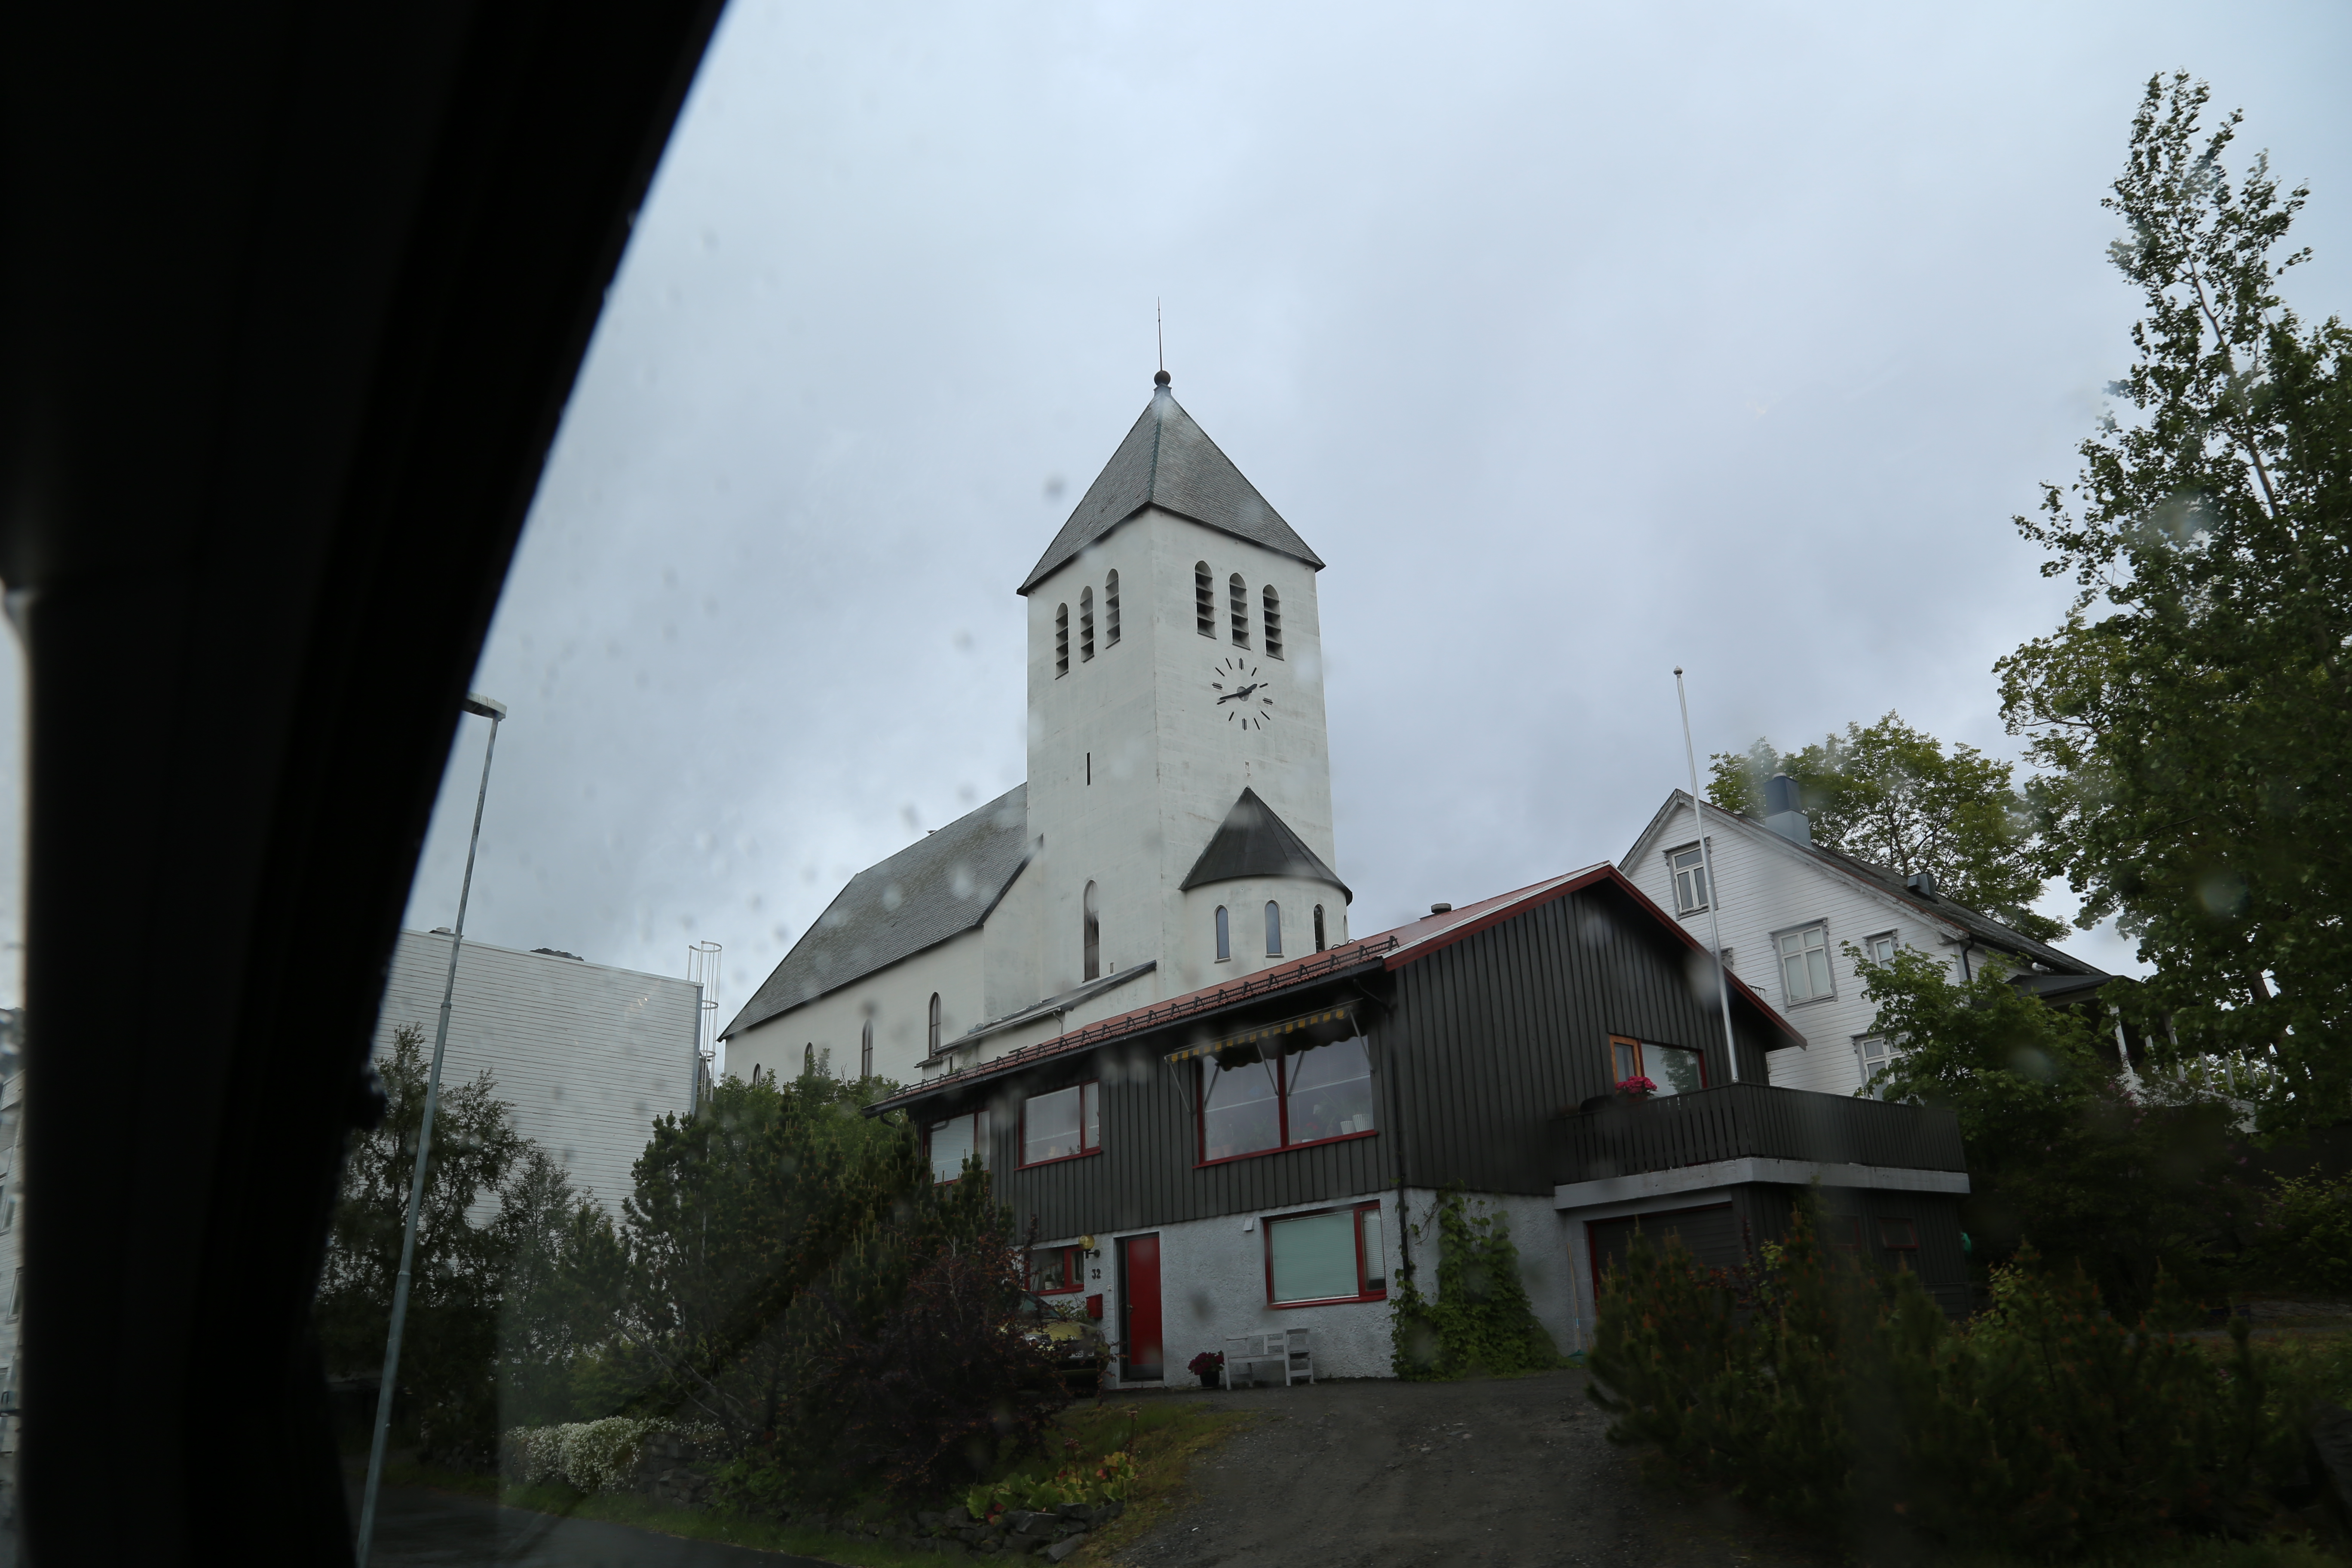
point(1481, 1323)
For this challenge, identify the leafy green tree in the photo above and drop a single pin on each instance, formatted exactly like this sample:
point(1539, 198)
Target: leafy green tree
point(2059, 1155)
point(1892, 795)
point(2193, 714)
point(465, 1235)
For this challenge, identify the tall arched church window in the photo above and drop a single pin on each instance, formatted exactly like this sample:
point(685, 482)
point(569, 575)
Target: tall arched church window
point(1093, 935)
point(1061, 640)
point(1204, 600)
point(935, 1023)
point(1239, 598)
point(1273, 928)
point(1085, 624)
point(1224, 936)
point(1320, 943)
point(1110, 611)
point(865, 1051)
point(1273, 624)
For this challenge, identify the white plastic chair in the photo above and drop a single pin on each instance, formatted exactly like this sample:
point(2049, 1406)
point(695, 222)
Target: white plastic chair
point(1246, 1353)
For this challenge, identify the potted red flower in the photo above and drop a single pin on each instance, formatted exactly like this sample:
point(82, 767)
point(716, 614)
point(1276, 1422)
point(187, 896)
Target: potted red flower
point(1636, 1088)
point(1207, 1366)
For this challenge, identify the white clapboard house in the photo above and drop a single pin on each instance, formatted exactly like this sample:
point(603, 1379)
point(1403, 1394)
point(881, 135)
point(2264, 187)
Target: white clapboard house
point(1791, 908)
point(587, 1054)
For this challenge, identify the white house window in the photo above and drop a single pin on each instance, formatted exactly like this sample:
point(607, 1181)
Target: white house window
point(1676, 1069)
point(1881, 948)
point(1110, 611)
point(1086, 625)
point(1062, 1125)
point(1335, 1256)
point(1689, 867)
point(956, 1140)
point(1876, 1053)
point(1273, 928)
point(1805, 963)
point(1091, 934)
point(1204, 600)
point(1224, 935)
point(1309, 1096)
point(1240, 598)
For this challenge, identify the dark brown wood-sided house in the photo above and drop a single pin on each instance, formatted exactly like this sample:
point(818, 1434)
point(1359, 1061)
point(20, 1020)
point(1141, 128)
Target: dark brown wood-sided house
point(1264, 1155)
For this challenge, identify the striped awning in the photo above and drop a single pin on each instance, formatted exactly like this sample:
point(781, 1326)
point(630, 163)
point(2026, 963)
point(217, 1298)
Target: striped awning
point(1331, 1024)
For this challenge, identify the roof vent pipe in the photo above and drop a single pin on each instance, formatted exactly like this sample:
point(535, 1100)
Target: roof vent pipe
point(1782, 812)
point(1923, 883)
point(1441, 908)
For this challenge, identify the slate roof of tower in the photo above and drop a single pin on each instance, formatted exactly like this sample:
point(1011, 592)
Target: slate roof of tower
point(1253, 842)
point(1169, 461)
point(942, 885)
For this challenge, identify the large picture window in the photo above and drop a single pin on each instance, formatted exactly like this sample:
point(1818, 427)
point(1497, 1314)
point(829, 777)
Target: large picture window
point(1335, 1256)
point(1308, 1096)
point(1063, 1124)
point(1674, 1069)
point(955, 1140)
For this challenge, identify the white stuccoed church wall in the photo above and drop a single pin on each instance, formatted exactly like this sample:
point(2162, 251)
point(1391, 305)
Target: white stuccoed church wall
point(899, 1000)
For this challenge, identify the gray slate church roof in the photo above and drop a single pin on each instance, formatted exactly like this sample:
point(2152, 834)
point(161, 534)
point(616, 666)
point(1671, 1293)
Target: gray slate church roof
point(1169, 461)
point(942, 885)
point(1253, 842)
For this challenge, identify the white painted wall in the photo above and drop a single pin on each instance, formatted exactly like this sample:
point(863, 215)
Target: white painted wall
point(899, 1001)
point(1767, 890)
point(588, 1055)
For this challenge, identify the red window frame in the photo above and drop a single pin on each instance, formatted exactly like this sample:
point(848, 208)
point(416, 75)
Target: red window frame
point(1900, 1235)
point(979, 1144)
point(1617, 1043)
point(1266, 1226)
point(1073, 1269)
point(1085, 1150)
point(1281, 1114)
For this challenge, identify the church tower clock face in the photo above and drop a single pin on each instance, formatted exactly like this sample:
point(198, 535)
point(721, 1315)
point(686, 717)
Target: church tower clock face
point(1243, 692)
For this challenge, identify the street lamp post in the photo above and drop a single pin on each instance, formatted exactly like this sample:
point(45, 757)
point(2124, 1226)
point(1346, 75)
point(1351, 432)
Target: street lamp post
point(494, 711)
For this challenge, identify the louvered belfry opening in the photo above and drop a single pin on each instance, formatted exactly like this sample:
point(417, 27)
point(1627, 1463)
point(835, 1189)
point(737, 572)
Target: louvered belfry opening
point(1085, 624)
point(1061, 639)
point(1240, 601)
point(1110, 611)
point(1273, 624)
point(1204, 600)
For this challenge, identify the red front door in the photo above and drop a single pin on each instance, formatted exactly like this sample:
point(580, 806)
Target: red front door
point(1138, 1307)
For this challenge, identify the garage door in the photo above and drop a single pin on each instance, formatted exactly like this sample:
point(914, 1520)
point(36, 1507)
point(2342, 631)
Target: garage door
point(1712, 1234)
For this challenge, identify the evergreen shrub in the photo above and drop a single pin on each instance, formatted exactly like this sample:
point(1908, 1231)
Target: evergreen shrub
point(1844, 1401)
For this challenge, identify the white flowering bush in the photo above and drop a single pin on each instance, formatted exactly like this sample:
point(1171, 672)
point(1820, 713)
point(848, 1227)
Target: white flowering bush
point(593, 1456)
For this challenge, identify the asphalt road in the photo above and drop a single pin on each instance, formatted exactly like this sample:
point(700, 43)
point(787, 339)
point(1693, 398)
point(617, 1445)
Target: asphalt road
point(420, 1529)
point(1514, 1473)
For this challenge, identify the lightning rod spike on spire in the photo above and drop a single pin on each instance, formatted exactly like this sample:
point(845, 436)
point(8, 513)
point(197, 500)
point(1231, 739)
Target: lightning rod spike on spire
point(1160, 331)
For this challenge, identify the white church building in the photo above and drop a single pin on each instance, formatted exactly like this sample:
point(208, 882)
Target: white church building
point(1176, 826)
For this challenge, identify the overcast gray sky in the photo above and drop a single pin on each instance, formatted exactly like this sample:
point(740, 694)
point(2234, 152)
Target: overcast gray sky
point(1580, 341)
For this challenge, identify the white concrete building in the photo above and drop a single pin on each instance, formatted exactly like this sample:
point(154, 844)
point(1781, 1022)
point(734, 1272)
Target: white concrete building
point(1175, 829)
point(587, 1054)
point(1790, 909)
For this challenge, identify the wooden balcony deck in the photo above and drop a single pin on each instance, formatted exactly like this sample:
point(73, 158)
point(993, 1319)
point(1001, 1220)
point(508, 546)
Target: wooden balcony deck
point(1750, 1120)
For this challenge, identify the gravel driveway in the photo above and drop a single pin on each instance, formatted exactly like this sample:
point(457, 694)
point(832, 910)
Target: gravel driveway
point(1507, 1471)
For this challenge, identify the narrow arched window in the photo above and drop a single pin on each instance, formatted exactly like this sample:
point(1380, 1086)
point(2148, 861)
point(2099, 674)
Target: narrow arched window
point(1061, 640)
point(1085, 624)
point(1273, 624)
point(1110, 611)
point(1204, 600)
point(865, 1051)
point(1273, 928)
point(935, 1023)
point(1224, 936)
point(1320, 943)
point(1093, 934)
point(1239, 599)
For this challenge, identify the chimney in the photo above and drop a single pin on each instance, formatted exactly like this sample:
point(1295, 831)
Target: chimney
point(1781, 814)
point(1923, 883)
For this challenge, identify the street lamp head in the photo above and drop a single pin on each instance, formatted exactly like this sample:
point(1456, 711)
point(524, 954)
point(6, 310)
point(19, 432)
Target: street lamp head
point(485, 707)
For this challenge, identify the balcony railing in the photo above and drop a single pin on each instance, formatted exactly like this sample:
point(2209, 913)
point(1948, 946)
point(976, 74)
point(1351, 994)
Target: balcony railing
point(1623, 1137)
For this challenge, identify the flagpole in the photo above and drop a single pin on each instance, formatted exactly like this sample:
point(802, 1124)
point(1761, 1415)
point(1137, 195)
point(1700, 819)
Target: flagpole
point(1714, 889)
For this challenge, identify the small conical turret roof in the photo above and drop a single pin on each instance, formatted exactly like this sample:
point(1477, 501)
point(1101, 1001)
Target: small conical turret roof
point(1169, 461)
point(1253, 842)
